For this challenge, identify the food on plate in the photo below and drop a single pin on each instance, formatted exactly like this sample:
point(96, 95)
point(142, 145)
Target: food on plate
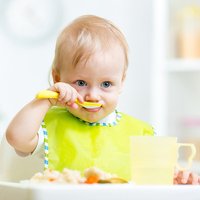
point(67, 176)
point(113, 180)
point(94, 171)
point(91, 175)
point(92, 179)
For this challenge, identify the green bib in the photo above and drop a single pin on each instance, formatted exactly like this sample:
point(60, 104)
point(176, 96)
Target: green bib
point(77, 145)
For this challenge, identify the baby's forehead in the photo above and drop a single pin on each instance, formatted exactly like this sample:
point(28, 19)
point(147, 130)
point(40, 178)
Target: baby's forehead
point(112, 52)
point(103, 59)
point(77, 54)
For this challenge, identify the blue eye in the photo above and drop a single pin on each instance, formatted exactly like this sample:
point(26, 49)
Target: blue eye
point(106, 84)
point(81, 83)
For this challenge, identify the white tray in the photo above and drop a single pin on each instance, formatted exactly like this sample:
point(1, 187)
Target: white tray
point(18, 191)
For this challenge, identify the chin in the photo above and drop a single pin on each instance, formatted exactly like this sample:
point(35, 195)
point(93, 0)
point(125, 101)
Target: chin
point(89, 117)
point(92, 119)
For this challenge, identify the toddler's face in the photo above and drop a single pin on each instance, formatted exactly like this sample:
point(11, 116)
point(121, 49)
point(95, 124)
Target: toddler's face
point(99, 80)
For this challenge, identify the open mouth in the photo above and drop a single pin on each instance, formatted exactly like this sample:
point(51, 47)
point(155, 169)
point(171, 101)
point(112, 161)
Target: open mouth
point(92, 109)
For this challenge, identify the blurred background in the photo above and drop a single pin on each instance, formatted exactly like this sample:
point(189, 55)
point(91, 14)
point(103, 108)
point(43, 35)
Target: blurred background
point(163, 81)
point(28, 33)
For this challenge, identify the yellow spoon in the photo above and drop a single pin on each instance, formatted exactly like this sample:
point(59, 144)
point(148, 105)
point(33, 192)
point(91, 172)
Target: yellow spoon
point(54, 95)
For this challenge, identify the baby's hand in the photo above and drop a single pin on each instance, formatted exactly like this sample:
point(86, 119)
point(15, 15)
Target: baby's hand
point(67, 95)
point(186, 177)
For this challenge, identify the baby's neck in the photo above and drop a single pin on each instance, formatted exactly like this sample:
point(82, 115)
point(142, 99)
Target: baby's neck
point(108, 119)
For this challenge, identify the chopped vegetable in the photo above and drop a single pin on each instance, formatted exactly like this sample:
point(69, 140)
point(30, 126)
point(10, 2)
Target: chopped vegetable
point(92, 179)
point(113, 180)
point(104, 181)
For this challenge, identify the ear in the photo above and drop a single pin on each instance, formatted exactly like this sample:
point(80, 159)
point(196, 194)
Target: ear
point(55, 75)
point(122, 82)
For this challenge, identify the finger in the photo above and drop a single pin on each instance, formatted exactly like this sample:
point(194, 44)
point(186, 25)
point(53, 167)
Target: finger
point(185, 176)
point(74, 105)
point(175, 182)
point(72, 97)
point(69, 92)
point(67, 97)
point(80, 98)
point(194, 178)
point(199, 179)
point(60, 88)
point(176, 171)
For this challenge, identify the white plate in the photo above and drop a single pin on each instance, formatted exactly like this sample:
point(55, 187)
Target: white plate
point(18, 191)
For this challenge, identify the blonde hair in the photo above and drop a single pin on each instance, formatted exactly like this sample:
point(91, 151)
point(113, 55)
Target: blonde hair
point(82, 37)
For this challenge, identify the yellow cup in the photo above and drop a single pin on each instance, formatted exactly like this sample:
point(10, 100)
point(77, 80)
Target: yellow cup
point(153, 159)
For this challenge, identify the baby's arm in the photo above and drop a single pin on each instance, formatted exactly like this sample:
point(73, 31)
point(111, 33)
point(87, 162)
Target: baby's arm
point(22, 131)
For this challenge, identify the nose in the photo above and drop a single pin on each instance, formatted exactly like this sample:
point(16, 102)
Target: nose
point(92, 95)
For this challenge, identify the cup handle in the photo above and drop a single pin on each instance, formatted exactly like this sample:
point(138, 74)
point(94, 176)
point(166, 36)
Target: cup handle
point(189, 159)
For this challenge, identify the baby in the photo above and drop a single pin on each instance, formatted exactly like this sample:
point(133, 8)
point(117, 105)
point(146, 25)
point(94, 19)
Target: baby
point(90, 64)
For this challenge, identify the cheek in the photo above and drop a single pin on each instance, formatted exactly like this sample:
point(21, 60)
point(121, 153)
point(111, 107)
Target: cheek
point(75, 112)
point(112, 99)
